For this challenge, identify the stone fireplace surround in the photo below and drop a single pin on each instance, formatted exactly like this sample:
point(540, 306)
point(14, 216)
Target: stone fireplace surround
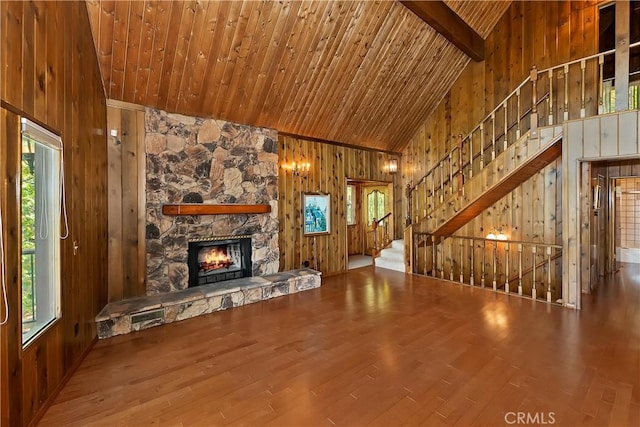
point(195, 160)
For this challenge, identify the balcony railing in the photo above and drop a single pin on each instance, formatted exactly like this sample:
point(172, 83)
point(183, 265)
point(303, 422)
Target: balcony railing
point(548, 97)
point(528, 269)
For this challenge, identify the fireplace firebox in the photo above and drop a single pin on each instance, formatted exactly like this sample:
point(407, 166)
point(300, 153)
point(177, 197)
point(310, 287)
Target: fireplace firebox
point(219, 259)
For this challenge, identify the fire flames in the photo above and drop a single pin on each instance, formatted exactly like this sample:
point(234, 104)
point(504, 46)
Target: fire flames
point(214, 259)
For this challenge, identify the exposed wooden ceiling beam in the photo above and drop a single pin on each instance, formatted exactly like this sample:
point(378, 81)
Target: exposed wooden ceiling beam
point(446, 22)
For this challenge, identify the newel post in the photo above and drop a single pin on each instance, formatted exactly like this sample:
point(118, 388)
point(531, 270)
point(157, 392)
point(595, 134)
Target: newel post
point(534, 105)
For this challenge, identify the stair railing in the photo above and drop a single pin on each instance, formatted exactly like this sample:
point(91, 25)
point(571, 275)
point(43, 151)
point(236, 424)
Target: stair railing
point(380, 231)
point(529, 269)
point(544, 98)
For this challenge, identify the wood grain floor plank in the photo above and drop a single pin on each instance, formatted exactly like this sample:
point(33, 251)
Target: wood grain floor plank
point(372, 347)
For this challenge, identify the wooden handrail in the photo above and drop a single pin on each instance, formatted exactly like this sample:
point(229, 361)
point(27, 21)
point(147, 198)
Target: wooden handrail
point(530, 269)
point(484, 149)
point(384, 217)
point(523, 242)
point(500, 105)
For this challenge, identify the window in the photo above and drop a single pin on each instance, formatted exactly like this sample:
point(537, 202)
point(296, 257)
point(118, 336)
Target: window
point(607, 42)
point(40, 217)
point(375, 206)
point(351, 205)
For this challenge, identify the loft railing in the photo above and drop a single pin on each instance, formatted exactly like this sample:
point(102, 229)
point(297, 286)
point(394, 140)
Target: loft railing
point(529, 269)
point(547, 97)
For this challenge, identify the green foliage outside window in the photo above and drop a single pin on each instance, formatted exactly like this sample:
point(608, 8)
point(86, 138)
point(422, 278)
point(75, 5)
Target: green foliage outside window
point(28, 195)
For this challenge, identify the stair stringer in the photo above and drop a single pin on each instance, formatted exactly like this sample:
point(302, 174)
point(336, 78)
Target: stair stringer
point(520, 161)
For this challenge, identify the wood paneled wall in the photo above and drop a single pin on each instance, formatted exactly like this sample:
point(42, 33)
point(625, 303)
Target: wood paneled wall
point(355, 232)
point(331, 165)
point(126, 183)
point(50, 74)
point(530, 33)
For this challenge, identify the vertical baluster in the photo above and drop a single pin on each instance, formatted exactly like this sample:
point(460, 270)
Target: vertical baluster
point(460, 166)
point(495, 265)
point(583, 110)
point(426, 250)
point(471, 155)
point(566, 92)
point(435, 256)
point(518, 115)
point(414, 259)
point(548, 273)
point(534, 101)
point(484, 248)
point(451, 172)
point(441, 182)
point(506, 260)
point(442, 259)
point(451, 259)
point(461, 261)
point(519, 268)
point(471, 268)
point(601, 85)
point(534, 291)
point(506, 127)
point(550, 98)
point(434, 195)
point(425, 185)
point(481, 146)
point(493, 136)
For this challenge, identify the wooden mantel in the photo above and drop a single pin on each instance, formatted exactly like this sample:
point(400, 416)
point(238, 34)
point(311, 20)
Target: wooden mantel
point(206, 209)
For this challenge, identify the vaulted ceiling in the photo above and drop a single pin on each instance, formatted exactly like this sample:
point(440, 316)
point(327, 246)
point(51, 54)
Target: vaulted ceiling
point(363, 73)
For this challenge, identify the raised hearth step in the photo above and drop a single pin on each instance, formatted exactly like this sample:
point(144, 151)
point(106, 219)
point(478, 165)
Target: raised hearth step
point(135, 314)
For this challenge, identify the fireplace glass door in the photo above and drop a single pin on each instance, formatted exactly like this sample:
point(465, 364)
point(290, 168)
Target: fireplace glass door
point(218, 260)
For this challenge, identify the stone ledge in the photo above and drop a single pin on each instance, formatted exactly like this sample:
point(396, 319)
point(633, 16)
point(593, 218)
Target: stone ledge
point(115, 318)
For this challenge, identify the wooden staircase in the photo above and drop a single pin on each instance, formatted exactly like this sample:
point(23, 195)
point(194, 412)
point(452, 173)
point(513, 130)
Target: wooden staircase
point(519, 162)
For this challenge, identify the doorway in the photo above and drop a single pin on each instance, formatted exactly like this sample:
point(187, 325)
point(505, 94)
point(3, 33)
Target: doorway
point(366, 201)
point(627, 220)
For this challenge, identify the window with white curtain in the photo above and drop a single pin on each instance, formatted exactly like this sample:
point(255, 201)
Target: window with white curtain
point(351, 205)
point(40, 220)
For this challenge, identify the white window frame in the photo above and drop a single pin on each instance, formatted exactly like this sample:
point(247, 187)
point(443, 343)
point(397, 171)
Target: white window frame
point(52, 141)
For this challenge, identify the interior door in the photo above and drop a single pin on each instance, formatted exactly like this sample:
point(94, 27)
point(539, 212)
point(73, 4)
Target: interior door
point(376, 204)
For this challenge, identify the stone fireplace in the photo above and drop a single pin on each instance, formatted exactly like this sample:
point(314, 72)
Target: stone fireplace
point(197, 160)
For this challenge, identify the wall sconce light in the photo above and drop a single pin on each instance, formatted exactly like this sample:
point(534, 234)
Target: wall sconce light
point(392, 167)
point(298, 168)
point(497, 234)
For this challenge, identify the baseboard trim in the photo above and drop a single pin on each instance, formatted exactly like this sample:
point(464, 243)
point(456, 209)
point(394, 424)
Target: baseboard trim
point(45, 406)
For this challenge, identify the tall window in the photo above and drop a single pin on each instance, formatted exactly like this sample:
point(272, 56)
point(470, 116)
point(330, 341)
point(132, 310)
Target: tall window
point(351, 205)
point(607, 41)
point(375, 206)
point(40, 211)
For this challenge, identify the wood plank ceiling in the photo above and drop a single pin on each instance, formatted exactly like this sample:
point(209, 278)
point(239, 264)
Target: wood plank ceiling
point(362, 73)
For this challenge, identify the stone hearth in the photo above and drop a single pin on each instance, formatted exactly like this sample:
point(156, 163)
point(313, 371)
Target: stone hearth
point(140, 313)
point(197, 160)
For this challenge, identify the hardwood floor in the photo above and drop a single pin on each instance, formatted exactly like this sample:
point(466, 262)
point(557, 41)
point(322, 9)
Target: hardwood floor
point(373, 347)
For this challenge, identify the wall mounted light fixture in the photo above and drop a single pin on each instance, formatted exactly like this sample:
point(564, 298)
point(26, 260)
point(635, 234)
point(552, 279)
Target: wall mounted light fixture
point(298, 168)
point(497, 234)
point(392, 166)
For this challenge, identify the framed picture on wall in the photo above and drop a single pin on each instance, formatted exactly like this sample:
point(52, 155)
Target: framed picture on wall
point(316, 213)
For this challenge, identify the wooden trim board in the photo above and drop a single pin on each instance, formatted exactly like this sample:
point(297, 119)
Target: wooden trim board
point(203, 209)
